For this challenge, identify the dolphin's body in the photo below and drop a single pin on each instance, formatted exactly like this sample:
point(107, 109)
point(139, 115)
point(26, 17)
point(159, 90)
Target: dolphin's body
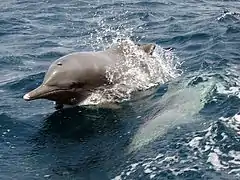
point(180, 105)
point(71, 78)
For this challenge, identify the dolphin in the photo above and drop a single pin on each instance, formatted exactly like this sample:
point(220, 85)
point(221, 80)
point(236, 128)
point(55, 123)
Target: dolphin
point(71, 78)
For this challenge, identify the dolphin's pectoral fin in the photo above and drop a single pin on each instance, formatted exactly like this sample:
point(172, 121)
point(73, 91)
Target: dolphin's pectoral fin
point(148, 48)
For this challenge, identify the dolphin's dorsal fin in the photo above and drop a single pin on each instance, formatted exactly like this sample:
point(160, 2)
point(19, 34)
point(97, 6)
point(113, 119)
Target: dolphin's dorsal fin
point(148, 48)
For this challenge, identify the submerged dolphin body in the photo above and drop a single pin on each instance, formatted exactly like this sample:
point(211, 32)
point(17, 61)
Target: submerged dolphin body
point(71, 78)
point(180, 105)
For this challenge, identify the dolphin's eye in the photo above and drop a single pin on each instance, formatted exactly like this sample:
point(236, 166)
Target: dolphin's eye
point(77, 85)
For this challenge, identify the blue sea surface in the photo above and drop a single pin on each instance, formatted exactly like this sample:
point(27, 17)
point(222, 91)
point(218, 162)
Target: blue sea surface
point(178, 134)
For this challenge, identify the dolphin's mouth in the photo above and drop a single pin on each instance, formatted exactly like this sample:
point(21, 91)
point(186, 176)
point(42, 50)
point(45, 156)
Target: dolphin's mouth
point(27, 97)
point(48, 92)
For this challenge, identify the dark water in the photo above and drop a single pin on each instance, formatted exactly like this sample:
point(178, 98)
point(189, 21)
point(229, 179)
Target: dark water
point(38, 142)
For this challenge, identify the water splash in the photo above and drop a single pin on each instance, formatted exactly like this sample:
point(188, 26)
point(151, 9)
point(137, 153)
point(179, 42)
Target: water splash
point(229, 15)
point(136, 72)
point(107, 26)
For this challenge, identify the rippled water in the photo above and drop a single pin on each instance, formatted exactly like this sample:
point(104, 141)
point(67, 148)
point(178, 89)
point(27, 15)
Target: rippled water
point(187, 128)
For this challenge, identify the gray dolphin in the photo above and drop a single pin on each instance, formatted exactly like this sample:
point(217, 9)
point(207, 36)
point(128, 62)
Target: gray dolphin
point(71, 78)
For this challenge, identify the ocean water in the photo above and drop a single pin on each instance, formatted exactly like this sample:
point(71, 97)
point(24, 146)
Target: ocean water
point(178, 120)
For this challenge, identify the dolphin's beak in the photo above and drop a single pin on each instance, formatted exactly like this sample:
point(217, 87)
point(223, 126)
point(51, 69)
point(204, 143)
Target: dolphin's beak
point(40, 92)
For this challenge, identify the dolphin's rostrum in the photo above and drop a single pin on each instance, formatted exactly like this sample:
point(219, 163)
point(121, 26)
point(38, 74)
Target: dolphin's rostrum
point(71, 78)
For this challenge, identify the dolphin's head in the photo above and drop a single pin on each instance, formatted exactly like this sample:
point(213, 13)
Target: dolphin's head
point(63, 95)
point(67, 82)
